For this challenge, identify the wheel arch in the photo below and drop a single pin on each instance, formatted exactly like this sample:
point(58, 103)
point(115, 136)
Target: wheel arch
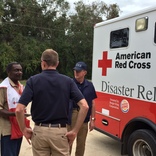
point(133, 125)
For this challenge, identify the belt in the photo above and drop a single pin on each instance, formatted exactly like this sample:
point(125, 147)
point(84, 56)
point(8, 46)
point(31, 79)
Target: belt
point(51, 125)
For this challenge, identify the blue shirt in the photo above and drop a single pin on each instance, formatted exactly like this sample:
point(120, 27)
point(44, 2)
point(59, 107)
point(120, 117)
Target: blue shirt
point(88, 92)
point(50, 93)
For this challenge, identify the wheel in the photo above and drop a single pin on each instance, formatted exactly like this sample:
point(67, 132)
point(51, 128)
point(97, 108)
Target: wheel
point(142, 143)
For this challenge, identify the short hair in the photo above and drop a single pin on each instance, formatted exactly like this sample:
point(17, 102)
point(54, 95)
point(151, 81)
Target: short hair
point(9, 66)
point(51, 57)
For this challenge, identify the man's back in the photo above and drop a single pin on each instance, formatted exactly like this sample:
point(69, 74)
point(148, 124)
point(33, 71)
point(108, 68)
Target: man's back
point(51, 92)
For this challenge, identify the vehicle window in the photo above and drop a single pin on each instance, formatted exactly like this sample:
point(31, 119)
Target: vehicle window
point(119, 38)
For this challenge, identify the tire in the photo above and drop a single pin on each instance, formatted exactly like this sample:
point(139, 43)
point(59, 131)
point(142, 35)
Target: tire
point(142, 143)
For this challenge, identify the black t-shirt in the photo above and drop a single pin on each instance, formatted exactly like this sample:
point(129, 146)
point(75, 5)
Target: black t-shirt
point(50, 93)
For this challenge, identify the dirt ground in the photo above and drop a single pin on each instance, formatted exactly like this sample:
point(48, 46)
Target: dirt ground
point(97, 144)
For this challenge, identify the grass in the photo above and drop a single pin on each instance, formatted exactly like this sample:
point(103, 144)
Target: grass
point(23, 82)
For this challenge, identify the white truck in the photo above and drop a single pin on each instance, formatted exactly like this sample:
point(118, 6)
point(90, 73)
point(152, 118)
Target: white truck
point(124, 76)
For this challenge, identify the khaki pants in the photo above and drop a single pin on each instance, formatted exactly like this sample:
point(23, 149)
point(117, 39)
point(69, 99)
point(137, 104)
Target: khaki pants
point(49, 141)
point(81, 136)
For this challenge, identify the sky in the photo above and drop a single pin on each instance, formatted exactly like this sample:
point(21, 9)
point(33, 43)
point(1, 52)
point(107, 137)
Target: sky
point(126, 6)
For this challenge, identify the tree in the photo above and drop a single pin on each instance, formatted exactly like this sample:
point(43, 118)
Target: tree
point(28, 27)
point(80, 33)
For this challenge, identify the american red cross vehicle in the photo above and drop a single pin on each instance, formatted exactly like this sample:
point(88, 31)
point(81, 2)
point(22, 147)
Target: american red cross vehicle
point(124, 76)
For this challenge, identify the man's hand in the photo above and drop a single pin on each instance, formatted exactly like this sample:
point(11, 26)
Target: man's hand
point(27, 132)
point(91, 125)
point(71, 136)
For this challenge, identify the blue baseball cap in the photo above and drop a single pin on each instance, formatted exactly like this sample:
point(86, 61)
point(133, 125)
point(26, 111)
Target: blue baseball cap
point(80, 66)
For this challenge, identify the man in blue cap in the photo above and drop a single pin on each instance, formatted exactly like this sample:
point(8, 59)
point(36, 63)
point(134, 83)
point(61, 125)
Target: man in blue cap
point(87, 89)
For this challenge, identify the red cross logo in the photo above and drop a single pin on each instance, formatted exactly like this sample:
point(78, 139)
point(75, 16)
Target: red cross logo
point(105, 63)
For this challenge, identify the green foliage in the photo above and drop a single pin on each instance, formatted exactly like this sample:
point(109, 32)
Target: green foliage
point(29, 27)
point(8, 55)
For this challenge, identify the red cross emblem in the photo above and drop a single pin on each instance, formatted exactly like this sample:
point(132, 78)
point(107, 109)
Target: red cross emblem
point(105, 63)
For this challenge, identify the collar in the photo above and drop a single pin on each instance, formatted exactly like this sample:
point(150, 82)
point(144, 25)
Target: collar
point(85, 82)
point(77, 82)
point(12, 83)
point(49, 70)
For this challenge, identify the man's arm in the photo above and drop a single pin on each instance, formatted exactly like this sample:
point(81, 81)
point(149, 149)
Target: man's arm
point(80, 119)
point(81, 115)
point(20, 115)
point(5, 113)
point(92, 117)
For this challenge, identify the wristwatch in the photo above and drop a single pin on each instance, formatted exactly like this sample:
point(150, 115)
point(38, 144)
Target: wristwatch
point(93, 119)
